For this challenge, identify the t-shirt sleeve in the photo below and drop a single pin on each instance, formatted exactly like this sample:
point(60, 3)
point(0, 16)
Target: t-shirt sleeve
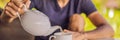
point(87, 7)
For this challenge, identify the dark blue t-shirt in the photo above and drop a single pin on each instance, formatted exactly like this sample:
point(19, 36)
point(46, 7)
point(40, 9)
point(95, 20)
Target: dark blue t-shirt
point(60, 16)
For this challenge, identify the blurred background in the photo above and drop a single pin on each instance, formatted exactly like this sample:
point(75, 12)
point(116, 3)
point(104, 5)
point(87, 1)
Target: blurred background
point(110, 10)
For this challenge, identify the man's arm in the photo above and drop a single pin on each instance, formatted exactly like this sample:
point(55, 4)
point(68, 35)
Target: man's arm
point(103, 29)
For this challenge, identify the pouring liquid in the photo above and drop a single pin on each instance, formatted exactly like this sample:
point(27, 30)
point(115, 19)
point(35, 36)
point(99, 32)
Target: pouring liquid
point(61, 30)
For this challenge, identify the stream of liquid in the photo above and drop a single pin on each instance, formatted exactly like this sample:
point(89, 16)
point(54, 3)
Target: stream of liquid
point(61, 30)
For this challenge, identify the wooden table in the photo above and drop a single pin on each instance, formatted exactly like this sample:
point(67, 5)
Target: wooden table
point(14, 31)
point(107, 39)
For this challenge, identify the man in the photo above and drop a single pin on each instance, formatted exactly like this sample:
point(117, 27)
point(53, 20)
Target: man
point(59, 13)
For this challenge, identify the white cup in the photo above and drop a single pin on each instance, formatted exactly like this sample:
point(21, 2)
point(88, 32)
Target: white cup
point(61, 36)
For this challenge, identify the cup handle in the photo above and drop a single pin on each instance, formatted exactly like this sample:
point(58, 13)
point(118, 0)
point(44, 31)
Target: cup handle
point(50, 38)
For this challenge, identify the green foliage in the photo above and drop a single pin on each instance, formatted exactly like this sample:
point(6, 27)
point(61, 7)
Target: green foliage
point(114, 22)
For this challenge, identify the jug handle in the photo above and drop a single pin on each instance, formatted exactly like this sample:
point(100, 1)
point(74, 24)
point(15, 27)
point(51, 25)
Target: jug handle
point(50, 38)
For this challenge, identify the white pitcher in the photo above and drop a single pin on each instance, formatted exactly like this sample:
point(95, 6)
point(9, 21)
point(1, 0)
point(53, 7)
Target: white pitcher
point(36, 23)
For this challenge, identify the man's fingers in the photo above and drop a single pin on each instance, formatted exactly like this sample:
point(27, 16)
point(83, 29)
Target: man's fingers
point(11, 19)
point(12, 11)
point(24, 1)
point(67, 31)
point(18, 3)
point(73, 33)
point(28, 3)
point(76, 34)
point(11, 4)
point(8, 13)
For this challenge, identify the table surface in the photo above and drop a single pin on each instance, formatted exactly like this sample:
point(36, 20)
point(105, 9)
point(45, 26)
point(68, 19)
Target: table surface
point(108, 39)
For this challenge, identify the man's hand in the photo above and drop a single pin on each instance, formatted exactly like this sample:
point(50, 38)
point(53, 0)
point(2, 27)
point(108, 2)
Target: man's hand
point(76, 35)
point(76, 23)
point(13, 7)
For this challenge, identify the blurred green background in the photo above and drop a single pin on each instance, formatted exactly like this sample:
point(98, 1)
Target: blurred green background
point(113, 19)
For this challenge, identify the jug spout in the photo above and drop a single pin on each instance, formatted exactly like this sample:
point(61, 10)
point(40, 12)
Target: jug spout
point(52, 29)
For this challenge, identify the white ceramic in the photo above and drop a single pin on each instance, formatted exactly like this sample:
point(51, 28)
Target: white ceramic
point(36, 23)
point(61, 36)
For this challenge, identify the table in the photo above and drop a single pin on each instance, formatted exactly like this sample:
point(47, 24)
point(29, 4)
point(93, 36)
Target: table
point(108, 39)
